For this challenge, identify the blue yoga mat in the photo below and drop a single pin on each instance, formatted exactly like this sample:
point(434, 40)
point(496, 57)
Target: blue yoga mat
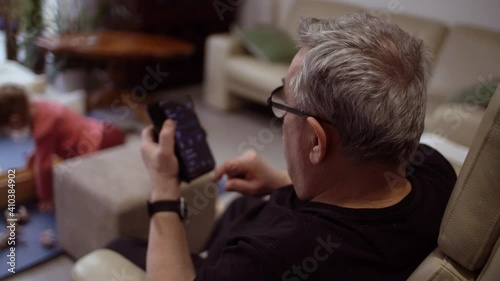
point(13, 154)
point(29, 252)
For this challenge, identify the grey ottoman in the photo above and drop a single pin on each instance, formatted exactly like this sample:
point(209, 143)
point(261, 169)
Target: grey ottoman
point(103, 196)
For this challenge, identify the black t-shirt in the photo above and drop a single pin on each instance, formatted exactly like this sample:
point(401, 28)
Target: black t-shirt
point(286, 239)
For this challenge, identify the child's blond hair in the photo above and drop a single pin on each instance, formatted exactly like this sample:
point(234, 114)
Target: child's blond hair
point(13, 100)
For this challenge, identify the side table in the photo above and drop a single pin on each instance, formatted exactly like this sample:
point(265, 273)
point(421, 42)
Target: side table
point(119, 50)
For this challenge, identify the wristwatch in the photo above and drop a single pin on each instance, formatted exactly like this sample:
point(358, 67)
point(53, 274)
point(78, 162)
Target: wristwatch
point(179, 207)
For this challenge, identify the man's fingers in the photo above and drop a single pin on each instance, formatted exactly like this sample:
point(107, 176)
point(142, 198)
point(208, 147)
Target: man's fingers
point(237, 166)
point(229, 167)
point(147, 133)
point(232, 168)
point(219, 171)
point(239, 185)
point(249, 155)
point(166, 138)
point(147, 141)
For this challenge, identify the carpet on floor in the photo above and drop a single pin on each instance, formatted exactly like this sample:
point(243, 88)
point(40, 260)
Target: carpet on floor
point(28, 250)
point(13, 154)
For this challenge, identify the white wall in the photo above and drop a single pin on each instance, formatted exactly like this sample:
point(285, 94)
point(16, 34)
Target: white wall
point(483, 13)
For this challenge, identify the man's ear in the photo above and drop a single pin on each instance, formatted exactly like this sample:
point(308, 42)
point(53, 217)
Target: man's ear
point(318, 152)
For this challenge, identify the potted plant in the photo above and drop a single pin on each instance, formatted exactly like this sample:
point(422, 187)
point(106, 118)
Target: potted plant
point(9, 14)
point(31, 25)
point(67, 73)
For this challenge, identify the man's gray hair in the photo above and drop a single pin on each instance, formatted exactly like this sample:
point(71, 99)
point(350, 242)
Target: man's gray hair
point(368, 77)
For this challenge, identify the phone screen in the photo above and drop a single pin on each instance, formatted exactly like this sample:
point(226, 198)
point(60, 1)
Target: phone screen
point(190, 137)
point(191, 147)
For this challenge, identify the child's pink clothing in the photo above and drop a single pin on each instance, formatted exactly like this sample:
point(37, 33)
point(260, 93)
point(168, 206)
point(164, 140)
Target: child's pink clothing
point(65, 133)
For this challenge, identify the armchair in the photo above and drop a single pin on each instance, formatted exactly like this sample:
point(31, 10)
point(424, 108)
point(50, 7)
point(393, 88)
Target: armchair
point(469, 239)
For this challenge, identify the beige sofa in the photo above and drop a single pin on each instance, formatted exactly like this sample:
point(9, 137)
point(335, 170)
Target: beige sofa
point(468, 56)
point(462, 56)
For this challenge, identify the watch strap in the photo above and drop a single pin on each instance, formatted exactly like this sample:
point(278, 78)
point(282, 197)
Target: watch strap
point(167, 206)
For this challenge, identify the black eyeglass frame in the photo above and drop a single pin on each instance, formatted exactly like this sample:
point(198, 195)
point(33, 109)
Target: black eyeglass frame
point(292, 110)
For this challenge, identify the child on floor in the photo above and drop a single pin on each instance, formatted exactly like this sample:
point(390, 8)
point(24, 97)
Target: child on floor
point(56, 130)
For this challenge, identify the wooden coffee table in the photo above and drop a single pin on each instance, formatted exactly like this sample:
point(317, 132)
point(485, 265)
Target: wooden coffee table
point(118, 50)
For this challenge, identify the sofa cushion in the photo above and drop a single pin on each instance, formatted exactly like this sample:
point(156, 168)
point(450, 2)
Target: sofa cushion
point(12, 72)
point(262, 77)
point(312, 8)
point(268, 43)
point(468, 56)
point(430, 31)
point(479, 94)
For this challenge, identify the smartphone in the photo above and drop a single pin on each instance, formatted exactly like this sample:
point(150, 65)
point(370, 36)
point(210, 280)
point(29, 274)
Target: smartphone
point(191, 147)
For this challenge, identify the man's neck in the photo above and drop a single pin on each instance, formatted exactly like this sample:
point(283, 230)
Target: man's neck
point(362, 188)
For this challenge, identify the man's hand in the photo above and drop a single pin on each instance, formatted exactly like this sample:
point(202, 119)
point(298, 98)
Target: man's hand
point(250, 175)
point(161, 163)
point(168, 252)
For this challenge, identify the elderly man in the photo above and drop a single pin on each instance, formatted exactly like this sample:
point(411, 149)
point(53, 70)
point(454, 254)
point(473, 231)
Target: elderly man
point(361, 200)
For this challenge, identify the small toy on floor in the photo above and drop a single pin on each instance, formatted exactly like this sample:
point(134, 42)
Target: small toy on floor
point(48, 238)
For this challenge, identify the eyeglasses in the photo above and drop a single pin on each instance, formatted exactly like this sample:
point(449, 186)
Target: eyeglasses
point(276, 102)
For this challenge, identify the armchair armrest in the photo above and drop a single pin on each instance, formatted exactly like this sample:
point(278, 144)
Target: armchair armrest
point(218, 49)
point(106, 265)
